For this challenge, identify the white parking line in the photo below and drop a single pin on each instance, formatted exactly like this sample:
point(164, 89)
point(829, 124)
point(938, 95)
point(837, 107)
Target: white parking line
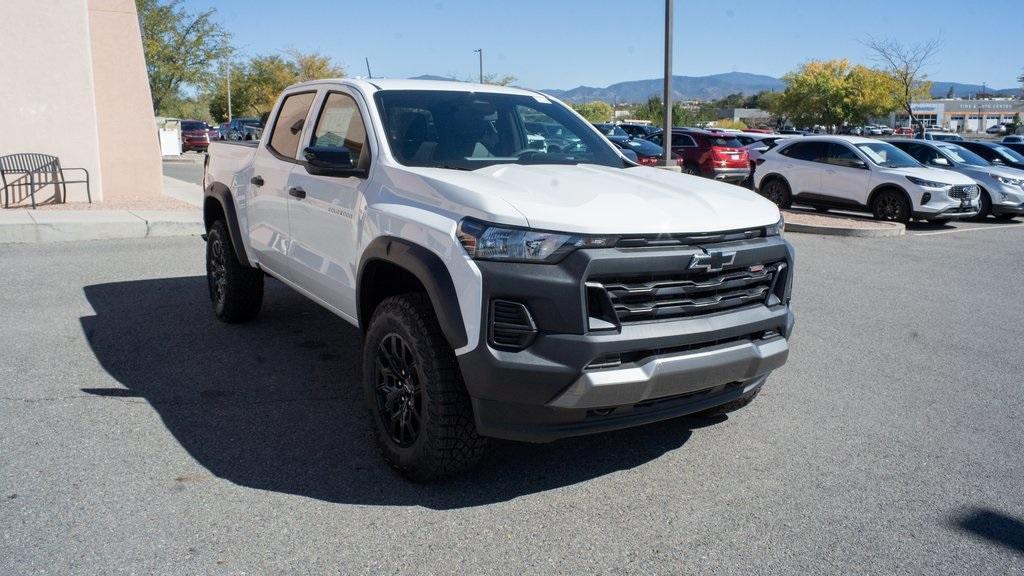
point(1002, 227)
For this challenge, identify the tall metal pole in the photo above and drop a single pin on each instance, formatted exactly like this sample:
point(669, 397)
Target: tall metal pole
point(667, 134)
point(368, 73)
point(229, 89)
point(480, 51)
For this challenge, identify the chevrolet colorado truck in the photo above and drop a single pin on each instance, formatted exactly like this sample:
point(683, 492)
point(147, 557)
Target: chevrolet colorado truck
point(503, 287)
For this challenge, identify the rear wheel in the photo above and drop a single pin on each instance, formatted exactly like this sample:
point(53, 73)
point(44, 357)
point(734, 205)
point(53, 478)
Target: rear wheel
point(421, 413)
point(236, 291)
point(778, 192)
point(891, 206)
point(689, 169)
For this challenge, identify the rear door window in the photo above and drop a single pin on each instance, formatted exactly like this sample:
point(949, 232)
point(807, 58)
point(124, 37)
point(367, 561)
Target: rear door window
point(288, 127)
point(808, 151)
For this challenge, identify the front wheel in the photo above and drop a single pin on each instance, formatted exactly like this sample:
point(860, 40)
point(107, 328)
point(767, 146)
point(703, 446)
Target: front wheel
point(985, 206)
point(419, 408)
point(891, 206)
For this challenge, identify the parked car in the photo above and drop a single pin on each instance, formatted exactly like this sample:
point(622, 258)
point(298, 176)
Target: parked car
point(995, 153)
point(640, 130)
point(903, 131)
point(492, 284)
point(613, 132)
point(195, 136)
point(1015, 146)
point(996, 129)
point(862, 174)
point(1002, 188)
point(709, 154)
point(1012, 140)
point(647, 153)
point(244, 129)
point(940, 136)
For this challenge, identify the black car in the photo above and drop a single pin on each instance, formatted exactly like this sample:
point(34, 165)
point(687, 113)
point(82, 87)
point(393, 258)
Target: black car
point(996, 153)
point(640, 130)
point(647, 153)
point(1017, 146)
point(613, 132)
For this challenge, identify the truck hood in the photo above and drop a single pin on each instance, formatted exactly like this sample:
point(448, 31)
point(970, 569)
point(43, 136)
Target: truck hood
point(591, 199)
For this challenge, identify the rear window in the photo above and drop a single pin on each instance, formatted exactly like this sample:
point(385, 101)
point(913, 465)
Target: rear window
point(727, 141)
point(810, 151)
point(193, 126)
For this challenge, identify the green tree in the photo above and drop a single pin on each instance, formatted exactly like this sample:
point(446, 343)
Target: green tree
point(314, 66)
point(181, 47)
point(951, 93)
point(833, 92)
point(595, 111)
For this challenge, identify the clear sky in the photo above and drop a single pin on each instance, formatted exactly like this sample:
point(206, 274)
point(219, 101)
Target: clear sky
point(566, 43)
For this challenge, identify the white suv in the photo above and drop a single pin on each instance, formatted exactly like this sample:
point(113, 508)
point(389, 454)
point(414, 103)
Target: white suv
point(862, 174)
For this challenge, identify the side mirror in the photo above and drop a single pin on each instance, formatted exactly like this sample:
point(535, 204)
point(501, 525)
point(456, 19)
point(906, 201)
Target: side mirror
point(631, 155)
point(329, 161)
point(858, 163)
point(940, 161)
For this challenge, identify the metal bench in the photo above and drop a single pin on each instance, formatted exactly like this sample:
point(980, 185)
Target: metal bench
point(34, 172)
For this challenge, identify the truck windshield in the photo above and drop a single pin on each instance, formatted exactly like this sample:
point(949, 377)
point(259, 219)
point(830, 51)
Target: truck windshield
point(470, 130)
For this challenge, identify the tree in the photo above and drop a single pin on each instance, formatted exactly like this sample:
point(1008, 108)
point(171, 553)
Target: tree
point(181, 47)
point(505, 80)
point(833, 93)
point(256, 84)
point(906, 64)
point(595, 111)
point(951, 93)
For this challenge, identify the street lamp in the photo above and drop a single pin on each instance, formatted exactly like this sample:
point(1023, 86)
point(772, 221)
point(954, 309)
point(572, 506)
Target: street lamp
point(480, 51)
point(667, 134)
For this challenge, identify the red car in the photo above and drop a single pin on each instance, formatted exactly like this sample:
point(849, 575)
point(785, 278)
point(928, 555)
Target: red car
point(716, 155)
point(195, 135)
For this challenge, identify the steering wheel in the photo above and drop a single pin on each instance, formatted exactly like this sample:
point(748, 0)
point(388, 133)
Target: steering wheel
point(525, 152)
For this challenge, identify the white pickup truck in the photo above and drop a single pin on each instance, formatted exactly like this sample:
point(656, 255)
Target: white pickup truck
point(506, 285)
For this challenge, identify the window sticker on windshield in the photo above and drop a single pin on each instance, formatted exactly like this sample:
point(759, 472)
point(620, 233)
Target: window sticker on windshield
point(541, 98)
point(876, 157)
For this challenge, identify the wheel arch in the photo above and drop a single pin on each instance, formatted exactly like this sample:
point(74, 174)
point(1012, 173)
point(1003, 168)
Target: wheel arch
point(889, 186)
point(391, 266)
point(219, 205)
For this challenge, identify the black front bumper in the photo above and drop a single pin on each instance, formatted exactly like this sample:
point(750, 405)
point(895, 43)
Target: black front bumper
point(681, 366)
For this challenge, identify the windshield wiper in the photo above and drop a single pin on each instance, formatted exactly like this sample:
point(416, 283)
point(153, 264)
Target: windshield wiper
point(454, 167)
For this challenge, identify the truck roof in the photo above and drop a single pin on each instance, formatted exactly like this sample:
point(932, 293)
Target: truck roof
point(370, 85)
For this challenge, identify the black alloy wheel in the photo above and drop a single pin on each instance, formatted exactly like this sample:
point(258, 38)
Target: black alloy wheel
point(399, 393)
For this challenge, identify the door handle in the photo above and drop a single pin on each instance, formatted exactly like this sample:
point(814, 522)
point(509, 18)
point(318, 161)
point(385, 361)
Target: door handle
point(256, 181)
point(297, 192)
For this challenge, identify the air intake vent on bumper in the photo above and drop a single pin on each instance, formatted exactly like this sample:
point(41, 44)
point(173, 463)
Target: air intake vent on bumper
point(511, 326)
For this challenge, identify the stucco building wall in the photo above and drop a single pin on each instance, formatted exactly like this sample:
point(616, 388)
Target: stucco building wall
point(75, 86)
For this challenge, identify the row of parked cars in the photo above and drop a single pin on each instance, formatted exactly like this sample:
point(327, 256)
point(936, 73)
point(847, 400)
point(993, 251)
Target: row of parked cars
point(935, 176)
point(196, 135)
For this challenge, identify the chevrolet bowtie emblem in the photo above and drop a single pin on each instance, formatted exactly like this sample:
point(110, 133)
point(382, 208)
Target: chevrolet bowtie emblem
point(712, 261)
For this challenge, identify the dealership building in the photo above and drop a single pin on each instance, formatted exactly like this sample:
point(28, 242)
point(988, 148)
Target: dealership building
point(964, 115)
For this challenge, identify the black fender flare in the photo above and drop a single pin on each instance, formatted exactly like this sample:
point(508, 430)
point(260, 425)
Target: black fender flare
point(431, 272)
point(220, 194)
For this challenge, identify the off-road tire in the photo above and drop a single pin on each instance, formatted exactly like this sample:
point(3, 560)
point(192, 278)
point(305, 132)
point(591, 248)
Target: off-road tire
point(446, 442)
point(236, 291)
point(728, 406)
point(777, 190)
point(891, 206)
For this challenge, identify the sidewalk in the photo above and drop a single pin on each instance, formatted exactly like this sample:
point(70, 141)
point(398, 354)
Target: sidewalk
point(54, 225)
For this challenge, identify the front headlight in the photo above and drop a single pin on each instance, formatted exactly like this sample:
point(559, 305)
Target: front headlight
point(776, 229)
point(928, 183)
point(1009, 181)
point(484, 241)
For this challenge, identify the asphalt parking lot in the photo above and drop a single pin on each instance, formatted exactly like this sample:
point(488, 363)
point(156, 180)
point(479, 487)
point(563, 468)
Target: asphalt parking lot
point(141, 436)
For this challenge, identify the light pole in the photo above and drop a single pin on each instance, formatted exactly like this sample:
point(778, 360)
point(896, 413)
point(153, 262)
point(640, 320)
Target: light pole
point(667, 134)
point(480, 51)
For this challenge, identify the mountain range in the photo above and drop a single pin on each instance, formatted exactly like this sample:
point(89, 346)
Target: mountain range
point(714, 87)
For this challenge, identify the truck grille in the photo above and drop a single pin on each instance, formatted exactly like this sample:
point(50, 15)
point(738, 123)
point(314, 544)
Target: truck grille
point(965, 192)
point(681, 295)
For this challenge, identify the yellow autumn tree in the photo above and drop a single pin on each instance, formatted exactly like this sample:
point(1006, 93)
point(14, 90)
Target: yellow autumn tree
point(834, 92)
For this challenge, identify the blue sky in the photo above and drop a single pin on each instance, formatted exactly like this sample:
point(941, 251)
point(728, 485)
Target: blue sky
point(565, 43)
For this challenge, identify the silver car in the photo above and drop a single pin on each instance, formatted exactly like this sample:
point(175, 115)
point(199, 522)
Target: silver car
point(1002, 188)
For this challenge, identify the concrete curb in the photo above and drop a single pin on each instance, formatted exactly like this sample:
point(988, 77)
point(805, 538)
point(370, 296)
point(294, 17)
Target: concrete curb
point(24, 226)
point(895, 229)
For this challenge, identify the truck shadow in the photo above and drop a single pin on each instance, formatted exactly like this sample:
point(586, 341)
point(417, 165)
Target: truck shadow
point(276, 404)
